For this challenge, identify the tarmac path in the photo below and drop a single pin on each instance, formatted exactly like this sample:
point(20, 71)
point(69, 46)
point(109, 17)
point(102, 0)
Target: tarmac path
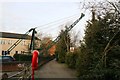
point(54, 69)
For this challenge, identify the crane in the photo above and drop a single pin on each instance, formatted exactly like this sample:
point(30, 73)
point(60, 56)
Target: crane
point(66, 31)
point(19, 40)
point(33, 36)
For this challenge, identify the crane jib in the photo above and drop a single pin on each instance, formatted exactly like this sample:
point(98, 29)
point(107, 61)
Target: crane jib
point(67, 30)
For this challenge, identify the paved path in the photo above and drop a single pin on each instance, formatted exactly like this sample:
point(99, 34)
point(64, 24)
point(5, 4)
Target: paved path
point(54, 69)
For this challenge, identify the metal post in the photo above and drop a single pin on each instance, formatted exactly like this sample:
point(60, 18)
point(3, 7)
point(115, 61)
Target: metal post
point(32, 40)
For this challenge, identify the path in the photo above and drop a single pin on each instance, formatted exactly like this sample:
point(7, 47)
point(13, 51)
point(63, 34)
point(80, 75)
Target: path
point(54, 69)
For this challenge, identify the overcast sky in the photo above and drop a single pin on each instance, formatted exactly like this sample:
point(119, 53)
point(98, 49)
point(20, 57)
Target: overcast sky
point(48, 17)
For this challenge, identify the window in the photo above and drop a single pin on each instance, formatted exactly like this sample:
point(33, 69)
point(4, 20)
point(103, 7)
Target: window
point(24, 43)
point(2, 52)
point(2, 42)
point(9, 42)
point(5, 52)
point(16, 52)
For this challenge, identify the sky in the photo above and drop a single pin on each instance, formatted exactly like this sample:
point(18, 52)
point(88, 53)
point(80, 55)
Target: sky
point(48, 16)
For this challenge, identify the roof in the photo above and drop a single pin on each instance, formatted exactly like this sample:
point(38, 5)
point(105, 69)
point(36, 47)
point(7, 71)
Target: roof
point(14, 35)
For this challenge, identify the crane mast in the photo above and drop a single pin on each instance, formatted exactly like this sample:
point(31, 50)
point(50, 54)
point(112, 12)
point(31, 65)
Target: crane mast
point(18, 41)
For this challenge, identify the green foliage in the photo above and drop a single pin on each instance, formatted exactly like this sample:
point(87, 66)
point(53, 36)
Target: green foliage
point(83, 61)
point(62, 46)
point(113, 58)
point(90, 63)
point(102, 74)
point(70, 59)
point(22, 57)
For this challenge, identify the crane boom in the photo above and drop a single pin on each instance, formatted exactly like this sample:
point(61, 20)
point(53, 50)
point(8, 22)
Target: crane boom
point(67, 30)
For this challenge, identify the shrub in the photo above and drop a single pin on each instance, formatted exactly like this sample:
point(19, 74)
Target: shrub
point(104, 74)
point(70, 59)
point(22, 57)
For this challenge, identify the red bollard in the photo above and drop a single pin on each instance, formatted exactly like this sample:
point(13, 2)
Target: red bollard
point(34, 62)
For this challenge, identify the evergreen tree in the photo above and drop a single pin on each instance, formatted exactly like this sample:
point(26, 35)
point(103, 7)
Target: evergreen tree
point(93, 59)
point(63, 46)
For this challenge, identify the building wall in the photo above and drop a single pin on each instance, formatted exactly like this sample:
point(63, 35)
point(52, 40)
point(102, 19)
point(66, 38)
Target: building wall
point(5, 43)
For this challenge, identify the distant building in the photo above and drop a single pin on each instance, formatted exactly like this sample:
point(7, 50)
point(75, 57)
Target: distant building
point(8, 39)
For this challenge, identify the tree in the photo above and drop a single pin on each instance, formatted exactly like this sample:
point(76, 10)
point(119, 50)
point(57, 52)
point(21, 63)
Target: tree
point(95, 61)
point(45, 42)
point(62, 46)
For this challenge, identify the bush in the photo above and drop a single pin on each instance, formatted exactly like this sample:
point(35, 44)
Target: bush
point(70, 59)
point(83, 63)
point(104, 74)
point(61, 58)
point(22, 57)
